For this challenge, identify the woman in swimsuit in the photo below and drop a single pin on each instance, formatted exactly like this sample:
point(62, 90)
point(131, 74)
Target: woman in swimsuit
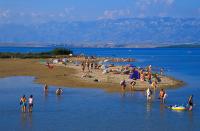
point(23, 103)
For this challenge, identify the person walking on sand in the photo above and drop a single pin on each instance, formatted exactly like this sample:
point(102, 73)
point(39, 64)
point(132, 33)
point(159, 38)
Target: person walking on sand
point(123, 85)
point(59, 91)
point(190, 103)
point(23, 103)
point(83, 66)
point(30, 103)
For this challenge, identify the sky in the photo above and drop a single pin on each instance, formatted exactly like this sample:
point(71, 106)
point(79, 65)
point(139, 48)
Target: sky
point(37, 11)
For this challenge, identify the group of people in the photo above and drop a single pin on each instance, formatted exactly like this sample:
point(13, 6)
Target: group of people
point(163, 96)
point(89, 65)
point(59, 91)
point(23, 100)
point(23, 103)
point(123, 85)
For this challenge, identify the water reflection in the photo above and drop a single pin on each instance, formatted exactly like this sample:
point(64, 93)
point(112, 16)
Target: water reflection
point(26, 120)
point(149, 106)
point(162, 107)
point(45, 95)
point(30, 120)
point(123, 94)
point(23, 119)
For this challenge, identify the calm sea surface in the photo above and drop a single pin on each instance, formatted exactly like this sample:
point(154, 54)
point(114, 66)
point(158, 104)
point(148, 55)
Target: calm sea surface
point(95, 109)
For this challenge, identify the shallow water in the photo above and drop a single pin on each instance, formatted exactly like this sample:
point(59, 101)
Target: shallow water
point(95, 109)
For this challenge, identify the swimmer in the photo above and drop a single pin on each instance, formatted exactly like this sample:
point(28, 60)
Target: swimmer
point(59, 91)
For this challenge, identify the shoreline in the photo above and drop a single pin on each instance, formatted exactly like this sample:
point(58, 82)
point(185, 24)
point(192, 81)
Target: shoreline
point(70, 76)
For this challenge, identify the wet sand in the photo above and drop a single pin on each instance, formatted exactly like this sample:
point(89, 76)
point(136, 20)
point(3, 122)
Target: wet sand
point(71, 75)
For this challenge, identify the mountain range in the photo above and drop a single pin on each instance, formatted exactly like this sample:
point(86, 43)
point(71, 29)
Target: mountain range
point(130, 32)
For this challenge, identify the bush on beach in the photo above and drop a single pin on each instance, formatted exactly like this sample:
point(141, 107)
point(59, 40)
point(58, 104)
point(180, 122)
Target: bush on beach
point(50, 54)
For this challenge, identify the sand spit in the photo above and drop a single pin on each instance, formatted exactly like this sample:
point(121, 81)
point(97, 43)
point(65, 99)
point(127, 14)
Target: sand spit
point(71, 75)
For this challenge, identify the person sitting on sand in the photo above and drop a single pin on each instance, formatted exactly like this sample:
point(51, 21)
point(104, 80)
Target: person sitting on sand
point(49, 66)
point(30, 103)
point(123, 85)
point(133, 83)
point(59, 91)
point(190, 103)
point(23, 103)
point(46, 88)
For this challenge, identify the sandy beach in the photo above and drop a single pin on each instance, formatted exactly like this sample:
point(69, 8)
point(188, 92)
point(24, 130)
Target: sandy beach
point(71, 75)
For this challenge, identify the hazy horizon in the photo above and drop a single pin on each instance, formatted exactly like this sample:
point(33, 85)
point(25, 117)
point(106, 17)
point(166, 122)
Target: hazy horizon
point(36, 11)
point(100, 21)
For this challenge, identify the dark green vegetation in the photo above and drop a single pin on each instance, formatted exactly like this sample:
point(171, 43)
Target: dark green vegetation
point(50, 54)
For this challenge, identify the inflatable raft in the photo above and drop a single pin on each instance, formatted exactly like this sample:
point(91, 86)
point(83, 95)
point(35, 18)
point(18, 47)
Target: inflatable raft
point(178, 108)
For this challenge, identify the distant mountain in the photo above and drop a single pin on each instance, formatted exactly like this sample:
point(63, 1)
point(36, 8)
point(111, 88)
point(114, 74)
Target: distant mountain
point(110, 33)
point(182, 46)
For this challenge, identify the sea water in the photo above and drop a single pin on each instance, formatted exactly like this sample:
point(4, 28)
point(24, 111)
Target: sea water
point(95, 109)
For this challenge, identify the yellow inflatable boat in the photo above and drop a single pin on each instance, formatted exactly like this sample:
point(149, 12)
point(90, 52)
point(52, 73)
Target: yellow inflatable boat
point(178, 108)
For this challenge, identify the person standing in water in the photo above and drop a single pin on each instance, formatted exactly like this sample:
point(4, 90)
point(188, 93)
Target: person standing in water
point(23, 103)
point(59, 91)
point(30, 103)
point(46, 88)
point(190, 103)
point(164, 97)
point(161, 95)
point(148, 93)
point(133, 83)
point(123, 85)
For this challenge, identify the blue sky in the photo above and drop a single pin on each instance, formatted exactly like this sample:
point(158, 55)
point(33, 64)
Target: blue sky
point(84, 10)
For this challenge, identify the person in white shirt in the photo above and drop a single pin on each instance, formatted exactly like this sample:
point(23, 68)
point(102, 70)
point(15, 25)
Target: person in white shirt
point(148, 93)
point(30, 103)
